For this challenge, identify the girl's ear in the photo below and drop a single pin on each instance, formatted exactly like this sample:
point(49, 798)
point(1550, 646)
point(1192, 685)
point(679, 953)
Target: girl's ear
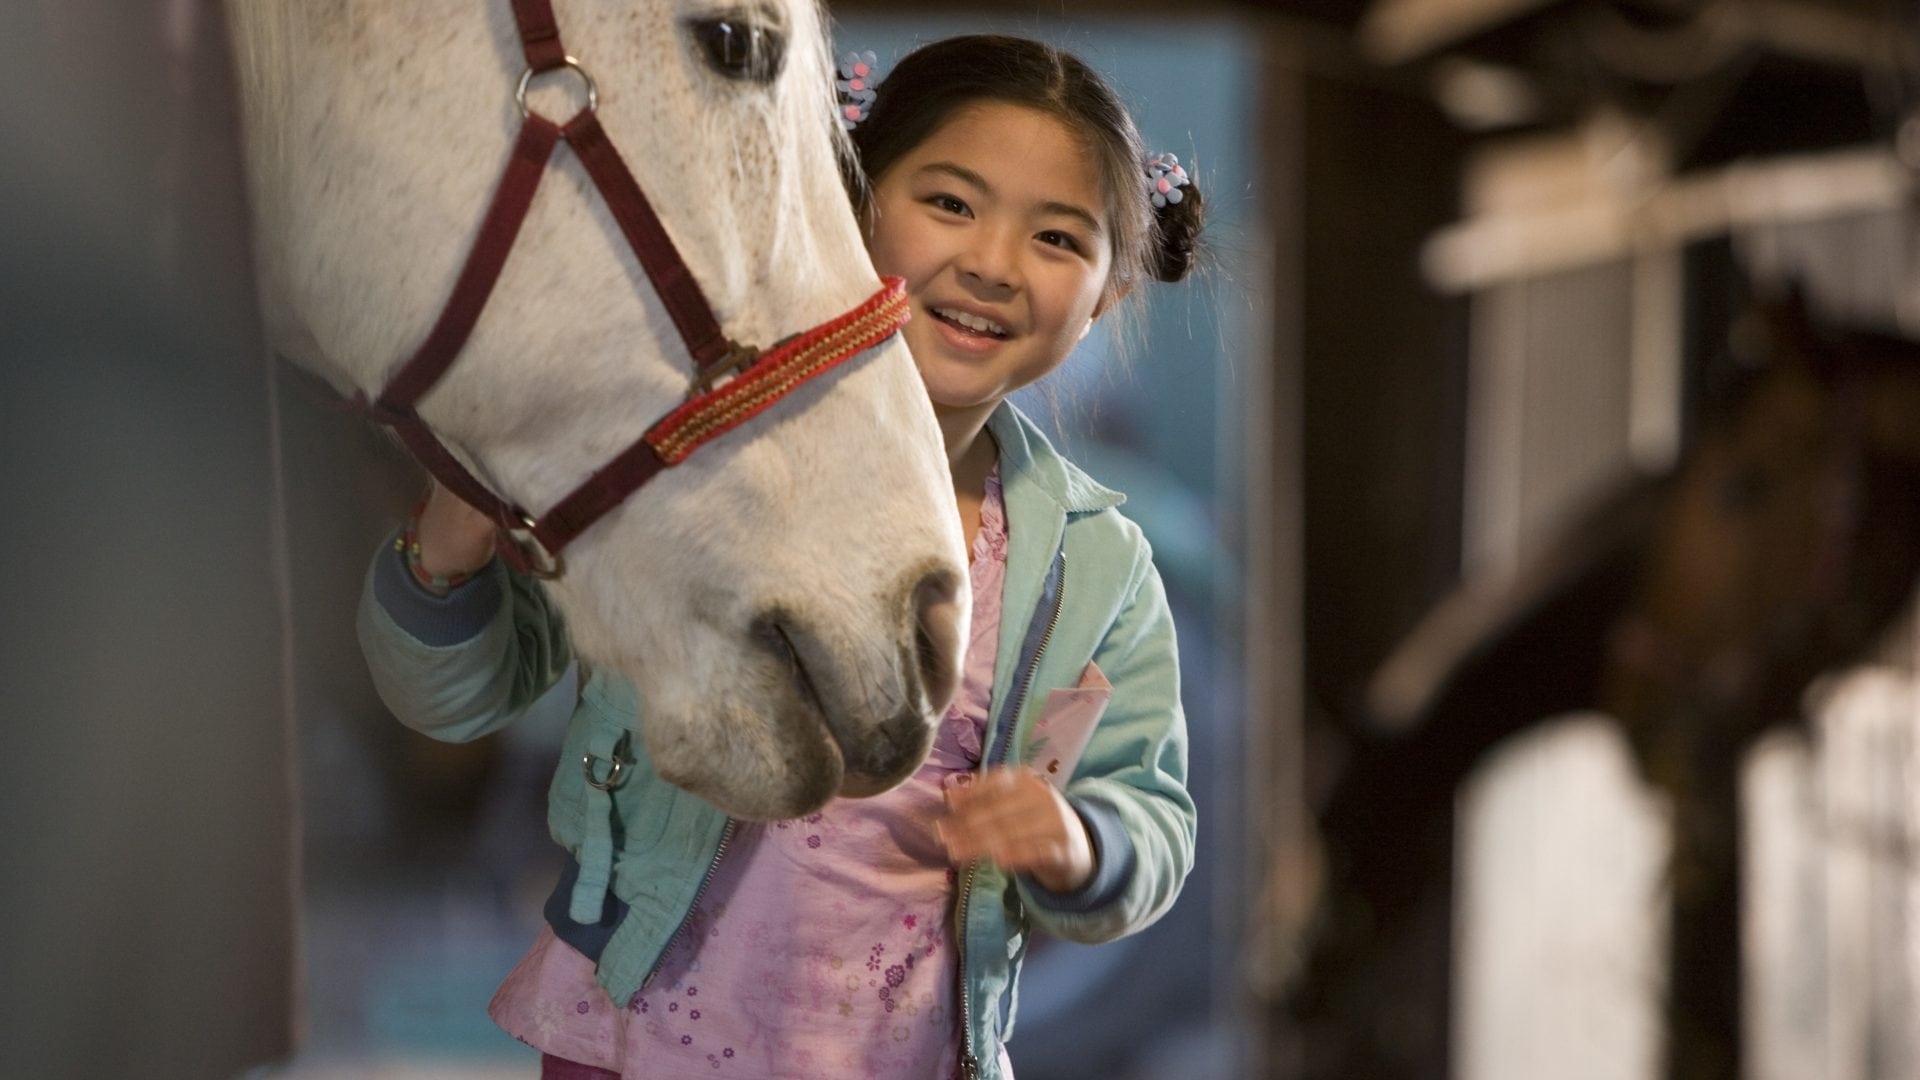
point(1110, 298)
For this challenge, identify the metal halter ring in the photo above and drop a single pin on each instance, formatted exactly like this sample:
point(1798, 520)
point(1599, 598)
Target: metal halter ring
point(541, 563)
point(615, 772)
point(526, 78)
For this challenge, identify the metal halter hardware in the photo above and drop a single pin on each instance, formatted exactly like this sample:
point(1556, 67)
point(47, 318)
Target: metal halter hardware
point(732, 382)
point(526, 80)
point(616, 769)
point(737, 359)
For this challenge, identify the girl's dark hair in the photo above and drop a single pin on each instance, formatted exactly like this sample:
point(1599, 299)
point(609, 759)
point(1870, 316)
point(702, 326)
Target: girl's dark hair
point(936, 80)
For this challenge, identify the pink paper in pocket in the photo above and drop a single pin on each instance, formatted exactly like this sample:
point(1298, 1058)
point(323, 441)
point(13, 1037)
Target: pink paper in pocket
point(1065, 725)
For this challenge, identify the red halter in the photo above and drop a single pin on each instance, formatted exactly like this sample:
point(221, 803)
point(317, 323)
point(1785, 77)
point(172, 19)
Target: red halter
point(732, 382)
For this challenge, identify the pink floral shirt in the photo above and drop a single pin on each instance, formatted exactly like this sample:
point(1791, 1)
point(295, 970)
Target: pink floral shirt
point(821, 948)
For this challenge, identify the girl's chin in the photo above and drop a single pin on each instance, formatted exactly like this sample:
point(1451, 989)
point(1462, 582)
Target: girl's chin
point(949, 397)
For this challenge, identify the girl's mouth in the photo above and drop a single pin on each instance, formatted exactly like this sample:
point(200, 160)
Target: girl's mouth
point(969, 323)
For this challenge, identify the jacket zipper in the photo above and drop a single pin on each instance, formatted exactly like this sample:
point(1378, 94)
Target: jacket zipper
point(726, 834)
point(969, 1061)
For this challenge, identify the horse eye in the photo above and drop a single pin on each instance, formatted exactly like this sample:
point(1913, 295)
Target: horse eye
point(741, 50)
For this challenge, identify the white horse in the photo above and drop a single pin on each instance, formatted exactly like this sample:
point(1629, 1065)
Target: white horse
point(790, 602)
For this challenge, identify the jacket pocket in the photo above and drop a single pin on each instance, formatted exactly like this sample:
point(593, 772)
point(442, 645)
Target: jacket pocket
point(1066, 723)
point(606, 781)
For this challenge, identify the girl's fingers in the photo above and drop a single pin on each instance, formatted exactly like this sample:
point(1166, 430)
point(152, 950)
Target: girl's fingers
point(1051, 860)
point(1018, 854)
point(1014, 818)
point(990, 784)
point(1013, 815)
point(975, 840)
point(994, 787)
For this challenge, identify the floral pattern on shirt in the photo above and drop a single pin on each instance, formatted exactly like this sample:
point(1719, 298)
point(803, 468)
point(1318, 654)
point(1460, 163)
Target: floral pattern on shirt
point(821, 948)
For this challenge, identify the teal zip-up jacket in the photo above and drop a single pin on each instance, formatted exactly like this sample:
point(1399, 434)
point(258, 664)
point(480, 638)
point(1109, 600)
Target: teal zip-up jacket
point(1080, 589)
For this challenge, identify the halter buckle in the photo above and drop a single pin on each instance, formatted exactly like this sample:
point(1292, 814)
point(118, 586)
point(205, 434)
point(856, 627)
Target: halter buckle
point(737, 358)
point(523, 550)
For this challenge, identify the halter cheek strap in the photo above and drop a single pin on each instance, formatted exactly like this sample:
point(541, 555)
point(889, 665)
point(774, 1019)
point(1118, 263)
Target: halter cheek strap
point(732, 382)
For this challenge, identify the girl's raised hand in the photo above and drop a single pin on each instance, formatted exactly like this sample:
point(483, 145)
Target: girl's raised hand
point(1018, 820)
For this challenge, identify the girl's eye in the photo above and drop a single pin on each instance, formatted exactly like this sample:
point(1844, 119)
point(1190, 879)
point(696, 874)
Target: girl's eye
point(948, 203)
point(1056, 238)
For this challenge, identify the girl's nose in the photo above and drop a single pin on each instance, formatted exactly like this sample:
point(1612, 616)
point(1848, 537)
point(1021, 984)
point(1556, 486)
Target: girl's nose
point(992, 260)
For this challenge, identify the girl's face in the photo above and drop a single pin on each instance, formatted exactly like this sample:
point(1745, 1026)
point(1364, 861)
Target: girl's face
point(997, 222)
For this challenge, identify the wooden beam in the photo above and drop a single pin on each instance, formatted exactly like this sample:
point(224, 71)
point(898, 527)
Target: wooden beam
point(1499, 246)
point(1056, 9)
point(1395, 31)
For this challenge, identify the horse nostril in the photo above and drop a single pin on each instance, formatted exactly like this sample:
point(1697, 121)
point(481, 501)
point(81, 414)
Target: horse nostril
point(936, 637)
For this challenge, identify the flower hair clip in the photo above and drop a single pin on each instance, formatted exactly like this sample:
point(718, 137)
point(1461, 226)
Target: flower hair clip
point(1165, 178)
point(856, 87)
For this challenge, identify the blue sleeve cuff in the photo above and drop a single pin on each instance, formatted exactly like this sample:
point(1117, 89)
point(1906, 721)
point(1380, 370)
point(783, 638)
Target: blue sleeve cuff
point(434, 620)
point(590, 939)
point(1113, 861)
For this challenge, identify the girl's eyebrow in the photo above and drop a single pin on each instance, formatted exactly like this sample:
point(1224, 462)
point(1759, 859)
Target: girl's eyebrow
point(1069, 210)
point(958, 172)
point(966, 175)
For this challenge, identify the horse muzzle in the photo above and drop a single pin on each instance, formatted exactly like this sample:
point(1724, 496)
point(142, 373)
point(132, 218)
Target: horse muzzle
point(882, 722)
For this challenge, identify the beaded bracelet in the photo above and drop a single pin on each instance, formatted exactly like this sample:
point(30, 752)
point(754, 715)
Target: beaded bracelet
point(408, 544)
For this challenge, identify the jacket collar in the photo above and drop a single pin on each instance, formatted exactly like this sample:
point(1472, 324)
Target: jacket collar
point(1041, 490)
point(1025, 452)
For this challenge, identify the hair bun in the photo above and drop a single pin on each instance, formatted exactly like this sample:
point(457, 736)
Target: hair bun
point(1176, 235)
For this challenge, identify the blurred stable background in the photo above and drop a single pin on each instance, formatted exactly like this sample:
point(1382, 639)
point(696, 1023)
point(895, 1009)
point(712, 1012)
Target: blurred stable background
point(1486, 310)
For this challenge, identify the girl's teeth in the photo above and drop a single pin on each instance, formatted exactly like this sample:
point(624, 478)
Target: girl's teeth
point(971, 322)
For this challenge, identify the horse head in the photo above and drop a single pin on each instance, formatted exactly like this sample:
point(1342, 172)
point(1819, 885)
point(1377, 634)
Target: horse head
point(790, 601)
point(1790, 538)
point(1781, 544)
point(1694, 607)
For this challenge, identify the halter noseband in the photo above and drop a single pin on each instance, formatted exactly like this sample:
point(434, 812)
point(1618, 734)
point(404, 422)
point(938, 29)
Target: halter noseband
point(732, 382)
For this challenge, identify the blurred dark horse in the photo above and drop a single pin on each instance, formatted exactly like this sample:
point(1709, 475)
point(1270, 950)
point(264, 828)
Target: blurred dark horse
point(1694, 608)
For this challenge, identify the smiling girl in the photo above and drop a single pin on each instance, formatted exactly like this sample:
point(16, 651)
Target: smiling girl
point(883, 936)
